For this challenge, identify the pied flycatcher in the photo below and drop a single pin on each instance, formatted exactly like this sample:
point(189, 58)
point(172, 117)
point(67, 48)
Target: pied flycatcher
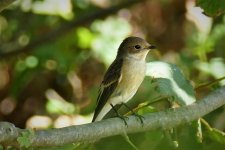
point(124, 76)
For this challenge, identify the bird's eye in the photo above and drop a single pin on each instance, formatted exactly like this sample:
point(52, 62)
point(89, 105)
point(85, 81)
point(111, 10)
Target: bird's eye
point(137, 46)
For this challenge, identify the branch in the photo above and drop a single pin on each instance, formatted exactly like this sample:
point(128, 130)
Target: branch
point(65, 28)
point(115, 126)
point(5, 3)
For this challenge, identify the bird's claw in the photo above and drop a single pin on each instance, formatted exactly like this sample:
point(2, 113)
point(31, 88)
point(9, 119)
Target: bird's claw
point(124, 119)
point(140, 117)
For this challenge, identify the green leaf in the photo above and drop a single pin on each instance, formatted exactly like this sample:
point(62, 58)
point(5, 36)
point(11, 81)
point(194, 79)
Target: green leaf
point(213, 133)
point(216, 135)
point(25, 140)
point(168, 81)
point(212, 8)
point(197, 126)
point(127, 139)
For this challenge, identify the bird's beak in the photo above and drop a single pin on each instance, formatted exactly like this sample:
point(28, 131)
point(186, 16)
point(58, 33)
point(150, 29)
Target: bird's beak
point(152, 47)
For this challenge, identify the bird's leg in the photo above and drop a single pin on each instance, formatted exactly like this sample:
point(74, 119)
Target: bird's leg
point(135, 114)
point(119, 115)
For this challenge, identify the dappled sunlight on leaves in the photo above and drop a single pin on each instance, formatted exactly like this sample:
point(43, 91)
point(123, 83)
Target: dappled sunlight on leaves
point(64, 121)
point(215, 67)
point(39, 122)
point(107, 42)
point(56, 104)
point(50, 7)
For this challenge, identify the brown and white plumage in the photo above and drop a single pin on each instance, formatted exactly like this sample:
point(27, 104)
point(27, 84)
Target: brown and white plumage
point(124, 75)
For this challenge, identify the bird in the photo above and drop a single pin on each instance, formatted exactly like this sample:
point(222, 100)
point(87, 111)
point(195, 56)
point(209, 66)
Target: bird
point(123, 77)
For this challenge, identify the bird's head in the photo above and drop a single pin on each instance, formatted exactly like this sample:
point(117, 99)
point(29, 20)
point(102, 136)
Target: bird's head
point(134, 47)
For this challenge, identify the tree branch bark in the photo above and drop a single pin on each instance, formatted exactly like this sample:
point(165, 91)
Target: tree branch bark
point(54, 34)
point(5, 3)
point(115, 126)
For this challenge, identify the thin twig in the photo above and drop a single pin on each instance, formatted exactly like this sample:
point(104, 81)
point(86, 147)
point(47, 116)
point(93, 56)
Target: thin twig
point(210, 83)
point(5, 3)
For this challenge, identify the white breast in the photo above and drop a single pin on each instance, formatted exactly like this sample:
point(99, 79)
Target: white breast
point(133, 72)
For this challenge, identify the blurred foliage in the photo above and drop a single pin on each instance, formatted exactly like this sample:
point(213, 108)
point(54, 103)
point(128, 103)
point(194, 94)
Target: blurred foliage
point(60, 74)
point(212, 9)
point(105, 42)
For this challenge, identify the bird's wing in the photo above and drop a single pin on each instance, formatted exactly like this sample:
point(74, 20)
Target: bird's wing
point(111, 79)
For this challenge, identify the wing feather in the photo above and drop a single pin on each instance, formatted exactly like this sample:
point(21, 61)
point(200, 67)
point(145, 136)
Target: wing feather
point(108, 85)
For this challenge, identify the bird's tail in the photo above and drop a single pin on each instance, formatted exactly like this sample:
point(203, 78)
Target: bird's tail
point(100, 115)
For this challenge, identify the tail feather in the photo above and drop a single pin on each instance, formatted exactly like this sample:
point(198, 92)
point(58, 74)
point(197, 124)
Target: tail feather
point(100, 115)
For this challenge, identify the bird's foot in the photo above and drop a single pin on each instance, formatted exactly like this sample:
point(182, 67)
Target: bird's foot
point(123, 118)
point(120, 116)
point(135, 114)
point(140, 117)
